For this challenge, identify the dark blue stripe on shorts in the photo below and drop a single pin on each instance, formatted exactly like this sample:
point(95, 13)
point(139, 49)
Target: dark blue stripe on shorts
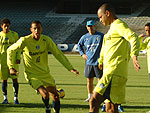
point(107, 92)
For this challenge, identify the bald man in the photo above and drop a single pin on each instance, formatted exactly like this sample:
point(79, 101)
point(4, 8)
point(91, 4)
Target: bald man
point(114, 58)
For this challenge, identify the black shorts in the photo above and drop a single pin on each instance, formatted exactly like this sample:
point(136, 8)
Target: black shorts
point(92, 71)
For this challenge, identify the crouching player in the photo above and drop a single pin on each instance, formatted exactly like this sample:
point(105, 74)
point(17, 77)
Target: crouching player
point(35, 55)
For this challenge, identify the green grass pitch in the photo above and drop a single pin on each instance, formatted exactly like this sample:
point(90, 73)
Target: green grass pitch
point(137, 90)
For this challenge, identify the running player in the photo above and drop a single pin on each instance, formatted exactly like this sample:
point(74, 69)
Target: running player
point(35, 55)
point(114, 58)
point(89, 47)
point(7, 38)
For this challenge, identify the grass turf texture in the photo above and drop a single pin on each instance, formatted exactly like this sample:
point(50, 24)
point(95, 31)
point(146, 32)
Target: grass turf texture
point(137, 91)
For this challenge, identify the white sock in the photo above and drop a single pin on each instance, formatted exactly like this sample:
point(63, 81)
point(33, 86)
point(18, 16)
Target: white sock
point(90, 95)
point(5, 97)
point(15, 98)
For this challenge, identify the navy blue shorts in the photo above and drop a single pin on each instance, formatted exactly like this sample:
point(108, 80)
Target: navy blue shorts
point(92, 71)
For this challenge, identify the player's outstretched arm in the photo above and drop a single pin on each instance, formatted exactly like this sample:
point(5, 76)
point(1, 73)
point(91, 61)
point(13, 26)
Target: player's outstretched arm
point(142, 35)
point(75, 71)
point(135, 63)
point(13, 71)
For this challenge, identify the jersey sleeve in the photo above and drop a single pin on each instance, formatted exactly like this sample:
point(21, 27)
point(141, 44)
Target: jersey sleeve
point(58, 54)
point(18, 53)
point(124, 31)
point(11, 51)
point(143, 44)
point(80, 46)
point(100, 59)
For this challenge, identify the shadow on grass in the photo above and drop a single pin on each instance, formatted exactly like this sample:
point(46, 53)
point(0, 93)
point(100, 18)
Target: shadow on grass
point(4, 108)
point(33, 105)
point(83, 85)
point(73, 98)
point(138, 86)
point(25, 105)
point(137, 107)
point(56, 84)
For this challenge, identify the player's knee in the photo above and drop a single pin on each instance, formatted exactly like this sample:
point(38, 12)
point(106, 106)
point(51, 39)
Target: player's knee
point(109, 110)
point(43, 92)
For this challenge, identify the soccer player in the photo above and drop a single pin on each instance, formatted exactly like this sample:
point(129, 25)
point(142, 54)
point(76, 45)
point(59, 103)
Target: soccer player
point(35, 49)
point(114, 58)
point(146, 44)
point(89, 47)
point(7, 38)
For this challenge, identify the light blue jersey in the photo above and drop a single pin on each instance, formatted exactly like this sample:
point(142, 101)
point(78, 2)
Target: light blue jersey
point(91, 46)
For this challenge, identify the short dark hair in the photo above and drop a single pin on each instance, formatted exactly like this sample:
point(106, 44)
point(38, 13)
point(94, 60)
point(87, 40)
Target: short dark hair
point(147, 24)
point(36, 22)
point(5, 21)
point(108, 7)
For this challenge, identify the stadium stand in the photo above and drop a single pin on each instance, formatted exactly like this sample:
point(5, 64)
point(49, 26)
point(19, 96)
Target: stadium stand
point(146, 12)
point(62, 28)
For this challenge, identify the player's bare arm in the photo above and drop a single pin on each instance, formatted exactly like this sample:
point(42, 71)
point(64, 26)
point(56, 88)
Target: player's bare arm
point(75, 71)
point(84, 56)
point(142, 35)
point(135, 63)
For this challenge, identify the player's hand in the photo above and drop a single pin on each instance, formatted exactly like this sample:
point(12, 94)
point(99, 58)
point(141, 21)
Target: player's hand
point(75, 71)
point(84, 56)
point(135, 63)
point(18, 61)
point(100, 66)
point(142, 35)
point(13, 71)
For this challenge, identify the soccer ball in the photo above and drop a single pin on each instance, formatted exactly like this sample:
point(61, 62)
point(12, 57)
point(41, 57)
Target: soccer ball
point(61, 92)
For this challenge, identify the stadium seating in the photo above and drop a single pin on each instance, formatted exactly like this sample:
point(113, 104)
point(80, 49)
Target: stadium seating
point(61, 28)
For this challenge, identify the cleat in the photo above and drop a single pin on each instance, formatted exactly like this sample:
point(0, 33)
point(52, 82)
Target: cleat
point(47, 110)
point(5, 101)
point(148, 112)
point(120, 108)
point(16, 101)
point(103, 108)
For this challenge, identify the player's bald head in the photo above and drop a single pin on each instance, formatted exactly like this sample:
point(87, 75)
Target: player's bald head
point(107, 7)
point(36, 22)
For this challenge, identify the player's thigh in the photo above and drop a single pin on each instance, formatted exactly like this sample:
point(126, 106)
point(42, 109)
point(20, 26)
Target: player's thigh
point(53, 92)
point(96, 100)
point(43, 91)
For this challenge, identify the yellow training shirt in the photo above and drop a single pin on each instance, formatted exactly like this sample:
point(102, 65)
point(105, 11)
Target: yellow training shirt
point(6, 40)
point(116, 51)
point(35, 54)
